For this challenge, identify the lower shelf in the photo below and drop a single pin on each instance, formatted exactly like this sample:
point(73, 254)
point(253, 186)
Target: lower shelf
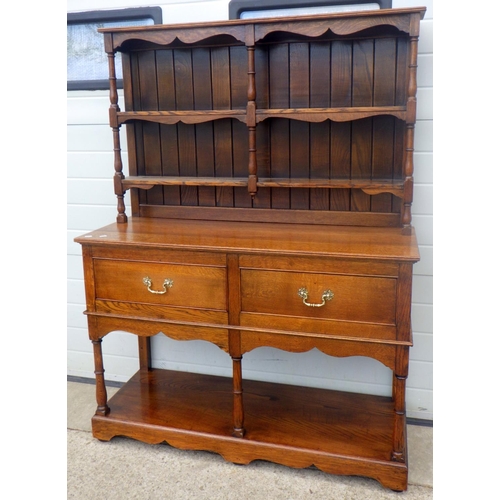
point(338, 432)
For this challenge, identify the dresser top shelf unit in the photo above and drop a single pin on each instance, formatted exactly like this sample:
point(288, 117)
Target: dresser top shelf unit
point(258, 114)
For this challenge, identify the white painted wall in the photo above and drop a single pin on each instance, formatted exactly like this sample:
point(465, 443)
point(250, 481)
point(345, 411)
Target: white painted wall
point(91, 204)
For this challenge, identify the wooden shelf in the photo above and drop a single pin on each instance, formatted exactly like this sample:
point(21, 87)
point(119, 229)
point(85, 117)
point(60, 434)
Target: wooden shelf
point(315, 115)
point(147, 182)
point(366, 185)
point(189, 117)
point(338, 432)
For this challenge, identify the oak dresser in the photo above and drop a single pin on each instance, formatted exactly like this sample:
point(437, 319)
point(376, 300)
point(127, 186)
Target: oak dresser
point(270, 179)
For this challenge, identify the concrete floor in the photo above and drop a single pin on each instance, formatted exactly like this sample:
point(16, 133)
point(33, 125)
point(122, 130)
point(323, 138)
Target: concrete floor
point(124, 469)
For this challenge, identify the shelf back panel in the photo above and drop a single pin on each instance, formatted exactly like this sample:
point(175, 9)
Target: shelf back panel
point(183, 79)
point(286, 149)
point(334, 73)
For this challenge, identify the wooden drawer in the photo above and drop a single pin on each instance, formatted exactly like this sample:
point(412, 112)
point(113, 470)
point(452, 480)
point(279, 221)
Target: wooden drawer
point(361, 306)
point(193, 286)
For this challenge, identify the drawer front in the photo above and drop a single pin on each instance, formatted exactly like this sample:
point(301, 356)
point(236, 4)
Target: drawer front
point(191, 286)
point(370, 299)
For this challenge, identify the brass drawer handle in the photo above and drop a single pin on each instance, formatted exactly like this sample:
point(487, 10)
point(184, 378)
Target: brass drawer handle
point(166, 284)
point(304, 294)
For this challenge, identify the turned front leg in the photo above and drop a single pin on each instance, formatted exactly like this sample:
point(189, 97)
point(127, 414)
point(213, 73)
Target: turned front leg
point(399, 398)
point(101, 395)
point(238, 415)
point(399, 441)
point(234, 287)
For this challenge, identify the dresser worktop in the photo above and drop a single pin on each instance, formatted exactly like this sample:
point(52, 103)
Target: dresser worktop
point(375, 243)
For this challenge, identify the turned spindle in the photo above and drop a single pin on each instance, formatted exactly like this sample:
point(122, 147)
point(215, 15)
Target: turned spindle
point(251, 117)
point(113, 120)
point(411, 108)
